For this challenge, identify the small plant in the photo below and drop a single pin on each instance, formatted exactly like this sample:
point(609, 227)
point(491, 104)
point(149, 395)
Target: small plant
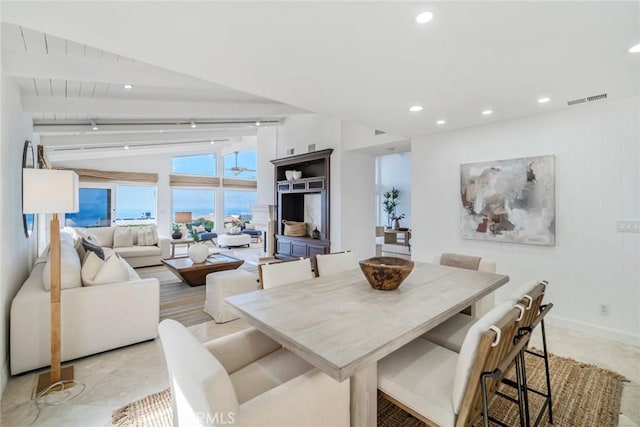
point(175, 227)
point(390, 203)
point(194, 235)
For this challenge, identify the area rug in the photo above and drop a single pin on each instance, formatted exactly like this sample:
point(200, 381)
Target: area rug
point(179, 301)
point(583, 396)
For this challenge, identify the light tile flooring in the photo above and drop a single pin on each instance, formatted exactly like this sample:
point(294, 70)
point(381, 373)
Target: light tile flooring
point(120, 376)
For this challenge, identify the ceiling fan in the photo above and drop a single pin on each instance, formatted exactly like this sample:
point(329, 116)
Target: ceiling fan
point(239, 169)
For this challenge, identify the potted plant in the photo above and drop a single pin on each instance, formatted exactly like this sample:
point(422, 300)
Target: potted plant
point(236, 223)
point(198, 252)
point(390, 203)
point(177, 231)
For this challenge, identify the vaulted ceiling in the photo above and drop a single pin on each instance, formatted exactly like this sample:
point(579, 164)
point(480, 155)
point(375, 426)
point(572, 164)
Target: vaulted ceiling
point(366, 62)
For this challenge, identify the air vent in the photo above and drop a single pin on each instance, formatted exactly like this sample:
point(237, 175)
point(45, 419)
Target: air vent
point(597, 97)
point(587, 99)
point(379, 132)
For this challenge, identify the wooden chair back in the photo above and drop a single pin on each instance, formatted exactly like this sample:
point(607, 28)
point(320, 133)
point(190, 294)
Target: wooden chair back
point(280, 273)
point(496, 351)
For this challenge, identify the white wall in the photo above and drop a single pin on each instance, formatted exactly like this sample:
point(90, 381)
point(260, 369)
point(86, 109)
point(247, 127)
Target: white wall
point(16, 251)
point(394, 170)
point(597, 182)
point(267, 139)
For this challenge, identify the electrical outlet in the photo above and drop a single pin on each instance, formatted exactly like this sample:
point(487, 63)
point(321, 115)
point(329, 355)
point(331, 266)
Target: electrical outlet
point(604, 310)
point(628, 226)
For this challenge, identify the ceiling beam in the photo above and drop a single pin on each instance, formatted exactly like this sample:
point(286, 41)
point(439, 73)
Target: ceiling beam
point(86, 69)
point(156, 109)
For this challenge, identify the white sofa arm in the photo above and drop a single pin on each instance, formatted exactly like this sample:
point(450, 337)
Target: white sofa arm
point(165, 247)
point(312, 399)
point(238, 350)
point(94, 319)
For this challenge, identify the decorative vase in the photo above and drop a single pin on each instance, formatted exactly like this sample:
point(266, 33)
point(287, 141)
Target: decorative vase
point(315, 233)
point(176, 235)
point(396, 224)
point(297, 174)
point(198, 253)
point(235, 230)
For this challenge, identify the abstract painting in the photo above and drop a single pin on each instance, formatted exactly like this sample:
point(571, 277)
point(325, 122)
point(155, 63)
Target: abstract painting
point(510, 201)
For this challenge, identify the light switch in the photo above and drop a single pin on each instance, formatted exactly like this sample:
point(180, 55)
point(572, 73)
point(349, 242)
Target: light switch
point(628, 226)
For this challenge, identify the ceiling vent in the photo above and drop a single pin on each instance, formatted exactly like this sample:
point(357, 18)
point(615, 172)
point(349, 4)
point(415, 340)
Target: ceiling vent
point(587, 99)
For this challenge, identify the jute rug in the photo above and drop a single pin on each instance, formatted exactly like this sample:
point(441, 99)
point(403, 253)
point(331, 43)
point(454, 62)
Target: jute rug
point(583, 396)
point(179, 301)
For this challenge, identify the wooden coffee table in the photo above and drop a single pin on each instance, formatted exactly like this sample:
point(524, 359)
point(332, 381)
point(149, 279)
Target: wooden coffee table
point(196, 274)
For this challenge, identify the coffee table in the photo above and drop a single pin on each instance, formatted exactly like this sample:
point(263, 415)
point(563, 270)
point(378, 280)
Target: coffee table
point(196, 274)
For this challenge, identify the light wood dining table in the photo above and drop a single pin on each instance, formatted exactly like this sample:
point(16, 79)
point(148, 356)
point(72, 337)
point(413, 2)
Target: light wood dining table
point(342, 326)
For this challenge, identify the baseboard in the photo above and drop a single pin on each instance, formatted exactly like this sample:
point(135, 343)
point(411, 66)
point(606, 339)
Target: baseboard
point(593, 330)
point(4, 377)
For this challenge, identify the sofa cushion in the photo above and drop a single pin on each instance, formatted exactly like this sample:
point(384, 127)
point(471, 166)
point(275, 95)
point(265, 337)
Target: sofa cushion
point(135, 251)
point(147, 235)
point(87, 234)
point(249, 226)
point(122, 237)
point(90, 268)
point(69, 268)
point(113, 270)
point(103, 234)
point(89, 246)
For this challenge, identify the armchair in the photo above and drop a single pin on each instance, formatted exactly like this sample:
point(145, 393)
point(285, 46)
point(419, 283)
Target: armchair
point(247, 379)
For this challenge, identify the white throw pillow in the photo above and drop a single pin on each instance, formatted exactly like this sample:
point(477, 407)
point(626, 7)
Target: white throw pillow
point(122, 237)
point(69, 268)
point(112, 271)
point(147, 235)
point(199, 228)
point(90, 268)
point(249, 226)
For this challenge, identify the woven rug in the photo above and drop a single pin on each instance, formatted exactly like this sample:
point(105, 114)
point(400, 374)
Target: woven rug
point(179, 301)
point(583, 396)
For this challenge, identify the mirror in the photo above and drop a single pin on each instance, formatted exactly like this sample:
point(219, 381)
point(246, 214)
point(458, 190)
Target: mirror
point(28, 161)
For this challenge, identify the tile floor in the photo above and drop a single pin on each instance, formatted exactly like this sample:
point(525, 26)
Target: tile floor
point(117, 377)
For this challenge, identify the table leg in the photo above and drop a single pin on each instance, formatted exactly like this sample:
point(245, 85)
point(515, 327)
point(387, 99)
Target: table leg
point(364, 397)
point(173, 250)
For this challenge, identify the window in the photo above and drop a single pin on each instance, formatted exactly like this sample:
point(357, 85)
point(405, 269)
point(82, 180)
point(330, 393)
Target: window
point(201, 204)
point(238, 204)
point(136, 204)
point(95, 209)
point(244, 167)
point(203, 164)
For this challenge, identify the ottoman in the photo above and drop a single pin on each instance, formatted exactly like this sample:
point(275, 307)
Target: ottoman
point(223, 284)
point(229, 240)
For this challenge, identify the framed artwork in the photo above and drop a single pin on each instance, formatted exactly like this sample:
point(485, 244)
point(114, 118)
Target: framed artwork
point(511, 201)
point(28, 161)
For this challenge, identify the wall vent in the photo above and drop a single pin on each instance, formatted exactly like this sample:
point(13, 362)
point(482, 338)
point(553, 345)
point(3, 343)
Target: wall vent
point(379, 132)
point(587, 99)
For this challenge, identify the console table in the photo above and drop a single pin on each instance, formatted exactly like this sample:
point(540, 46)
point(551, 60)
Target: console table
point(391, 237)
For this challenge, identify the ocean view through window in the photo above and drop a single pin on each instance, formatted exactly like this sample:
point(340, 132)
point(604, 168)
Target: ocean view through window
point(136, 204)
point(95, 209)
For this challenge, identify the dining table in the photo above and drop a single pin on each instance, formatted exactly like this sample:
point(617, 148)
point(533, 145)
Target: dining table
point(342, 326)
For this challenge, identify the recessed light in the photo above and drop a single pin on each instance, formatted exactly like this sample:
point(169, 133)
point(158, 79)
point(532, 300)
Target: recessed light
point(193, 124)
point(211, 142)
point(424, 17)
point(257, 122)
point(415, 108)
point(128, 86)
point(126, 147)
point(94, 126)
point(635, 49)
point(543, 100)
point(441, 122)
point(487, 112)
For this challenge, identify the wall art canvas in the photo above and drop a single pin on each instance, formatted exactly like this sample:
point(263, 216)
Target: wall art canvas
point(510, 201)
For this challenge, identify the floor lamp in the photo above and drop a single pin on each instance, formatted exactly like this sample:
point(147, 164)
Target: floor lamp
point(47, 191)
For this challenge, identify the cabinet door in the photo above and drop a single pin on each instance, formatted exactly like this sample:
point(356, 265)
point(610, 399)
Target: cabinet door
point(298, 249)
point(283, 247)
point(317, 250)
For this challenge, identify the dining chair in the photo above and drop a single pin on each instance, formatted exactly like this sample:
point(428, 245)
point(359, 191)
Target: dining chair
point(469, 262)
point(284, 272)
point(335, 263)
point(442, 387)
point(247, 379)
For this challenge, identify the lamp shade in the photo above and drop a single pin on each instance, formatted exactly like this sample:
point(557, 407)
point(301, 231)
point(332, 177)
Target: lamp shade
point(182, 217)
point(49, 191)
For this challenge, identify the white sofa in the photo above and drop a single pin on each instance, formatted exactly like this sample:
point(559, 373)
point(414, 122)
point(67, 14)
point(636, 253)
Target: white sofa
point(94, 318)
point(136, 255)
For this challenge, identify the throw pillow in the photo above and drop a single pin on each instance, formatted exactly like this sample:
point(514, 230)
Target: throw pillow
point(69, 268)
point(90, 268)
point(147, 235)
point(122, 237)
point(112, 270)
point(249, 226)
point(199, 229)
point(89, 246)
point(83, 233)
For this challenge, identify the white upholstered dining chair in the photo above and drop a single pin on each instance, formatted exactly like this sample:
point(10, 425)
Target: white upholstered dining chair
point(247, 379)
point(335, 263)
point(285, 272)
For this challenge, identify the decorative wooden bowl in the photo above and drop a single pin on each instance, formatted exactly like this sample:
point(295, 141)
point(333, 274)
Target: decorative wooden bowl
point(386, 273)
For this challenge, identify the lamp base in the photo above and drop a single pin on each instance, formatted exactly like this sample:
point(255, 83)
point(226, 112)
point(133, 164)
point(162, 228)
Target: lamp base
point(44, 381)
